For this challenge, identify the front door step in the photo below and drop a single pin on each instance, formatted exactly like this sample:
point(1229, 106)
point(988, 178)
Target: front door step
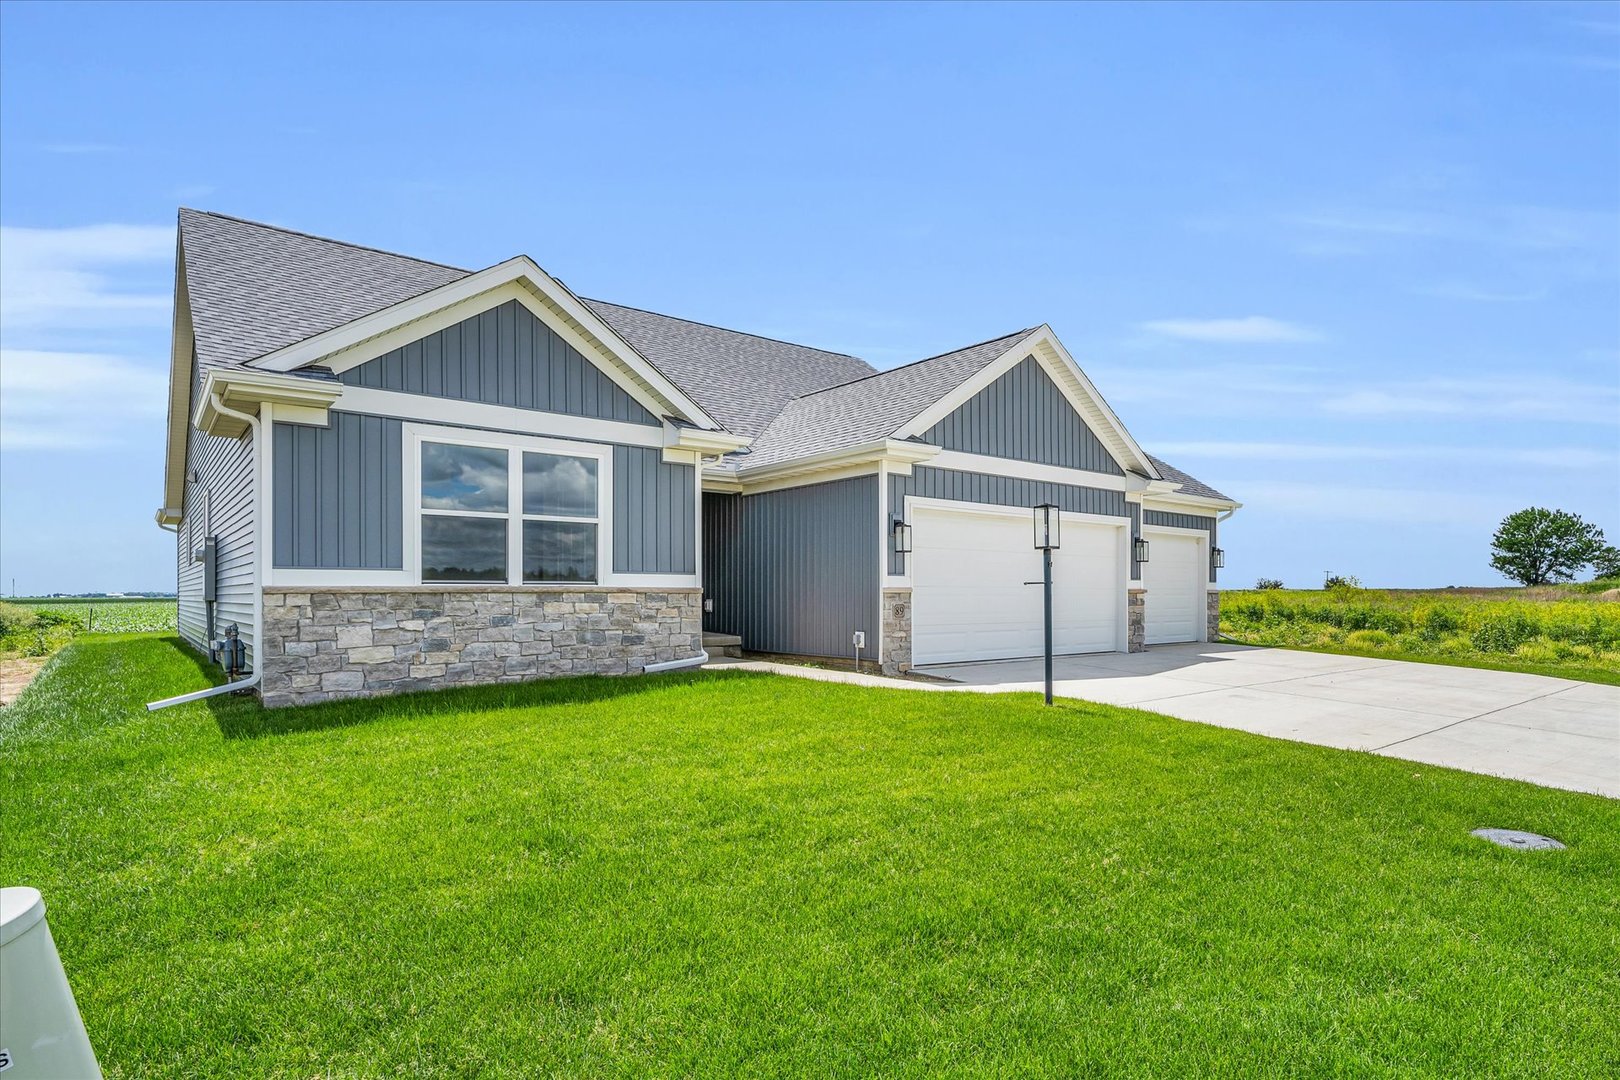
point(722, 644)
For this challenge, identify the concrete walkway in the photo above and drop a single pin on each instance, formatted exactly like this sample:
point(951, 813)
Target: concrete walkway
point(1555, 732)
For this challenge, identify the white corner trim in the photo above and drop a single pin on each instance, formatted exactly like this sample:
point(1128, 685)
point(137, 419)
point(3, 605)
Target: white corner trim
point(454, 412)
point(519, 270)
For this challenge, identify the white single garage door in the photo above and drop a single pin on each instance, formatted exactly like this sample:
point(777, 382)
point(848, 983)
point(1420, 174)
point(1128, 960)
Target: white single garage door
point(1174, 579)
point(969, 600)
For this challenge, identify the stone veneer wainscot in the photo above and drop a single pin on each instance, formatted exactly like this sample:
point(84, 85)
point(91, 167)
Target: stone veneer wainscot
point(896, 631)
point(320, 645)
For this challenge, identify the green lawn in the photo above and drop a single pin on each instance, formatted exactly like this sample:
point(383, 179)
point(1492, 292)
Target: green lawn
point(737, 874)
point(1567, 631)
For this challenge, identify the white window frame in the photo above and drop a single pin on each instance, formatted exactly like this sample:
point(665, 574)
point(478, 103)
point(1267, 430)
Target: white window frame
point(515, 445)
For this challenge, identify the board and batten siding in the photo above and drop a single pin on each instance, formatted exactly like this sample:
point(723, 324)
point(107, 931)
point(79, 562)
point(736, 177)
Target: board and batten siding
point(340, 500)
point(1183, 521)
point(503, 356)
point(957, 486)
point(795, 571)
point(218, 504)
point(1024, 416)
point(723, 588)
point(337, 494)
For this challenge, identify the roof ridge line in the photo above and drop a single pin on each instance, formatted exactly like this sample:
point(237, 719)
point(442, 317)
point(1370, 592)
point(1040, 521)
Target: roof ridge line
point(327, 239)
point(913, 363)
point(722, 329)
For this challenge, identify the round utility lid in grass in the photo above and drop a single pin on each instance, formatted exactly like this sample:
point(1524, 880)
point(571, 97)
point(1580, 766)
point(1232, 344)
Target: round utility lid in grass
point(1523, 841)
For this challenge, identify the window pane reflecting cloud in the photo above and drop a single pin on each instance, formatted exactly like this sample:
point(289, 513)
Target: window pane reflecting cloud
point(554, 484)
point(463, 548)
point(558, 551)
point(463, 477)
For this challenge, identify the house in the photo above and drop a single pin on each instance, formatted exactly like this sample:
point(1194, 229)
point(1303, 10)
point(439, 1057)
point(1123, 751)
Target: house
point(391, 475)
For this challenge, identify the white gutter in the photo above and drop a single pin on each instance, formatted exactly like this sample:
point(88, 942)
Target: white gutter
point(258, 595)
point(675, 665)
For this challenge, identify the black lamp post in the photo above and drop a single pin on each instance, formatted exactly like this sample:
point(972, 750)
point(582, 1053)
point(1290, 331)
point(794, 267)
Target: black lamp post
point(1048, 536)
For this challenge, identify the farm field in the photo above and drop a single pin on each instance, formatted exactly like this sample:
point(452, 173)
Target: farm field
point(38, 626)
point(736, 874)
point(1568, 631)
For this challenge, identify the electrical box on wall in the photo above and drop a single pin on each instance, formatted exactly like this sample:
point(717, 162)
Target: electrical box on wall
point(708, 604)
point(860, 639)
point(208, 555)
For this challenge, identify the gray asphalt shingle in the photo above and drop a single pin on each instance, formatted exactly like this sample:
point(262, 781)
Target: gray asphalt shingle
point(872, 408)
point(256, 288)
point(1190, 485)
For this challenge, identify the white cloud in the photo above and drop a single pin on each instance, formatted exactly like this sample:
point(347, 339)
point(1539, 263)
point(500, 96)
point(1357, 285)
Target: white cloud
point(59, 278)
point(1568, 457)
point(1484, 397)
point(74, 400)
point(1247, 330)
point(1403, 506)
point(1524, 228)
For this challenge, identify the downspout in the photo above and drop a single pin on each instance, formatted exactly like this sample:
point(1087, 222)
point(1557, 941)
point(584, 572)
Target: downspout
point(258, 589)
point(675, 665)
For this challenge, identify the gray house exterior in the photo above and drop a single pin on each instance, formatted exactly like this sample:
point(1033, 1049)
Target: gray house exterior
point(391, 475)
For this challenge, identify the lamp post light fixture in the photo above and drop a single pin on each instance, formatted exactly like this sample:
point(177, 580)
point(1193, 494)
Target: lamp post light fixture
point(1139, 550)
point(1048, 535)
point(1217, 558)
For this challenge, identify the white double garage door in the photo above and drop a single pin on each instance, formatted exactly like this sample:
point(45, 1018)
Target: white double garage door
point(970, 597)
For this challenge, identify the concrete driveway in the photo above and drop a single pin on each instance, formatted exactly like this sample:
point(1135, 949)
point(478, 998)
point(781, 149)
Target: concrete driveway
point(1555, 732)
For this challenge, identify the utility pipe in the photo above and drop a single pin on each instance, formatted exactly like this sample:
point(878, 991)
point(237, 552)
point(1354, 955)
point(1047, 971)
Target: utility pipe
point(258, 590)
point(675, 665)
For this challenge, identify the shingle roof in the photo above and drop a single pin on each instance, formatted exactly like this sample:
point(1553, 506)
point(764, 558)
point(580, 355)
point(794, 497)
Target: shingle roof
point(1190, 485)
point(871, 408)
point(257, 288)
point(741, 380)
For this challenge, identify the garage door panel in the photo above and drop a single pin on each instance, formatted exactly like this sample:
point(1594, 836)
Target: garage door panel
point(970, 600)
point(1173, 577)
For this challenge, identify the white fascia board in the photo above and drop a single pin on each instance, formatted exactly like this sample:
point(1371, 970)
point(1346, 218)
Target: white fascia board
point(1030, 470)
point(180, 379)
point(1178, 503)
point(708, 443)
point(521, 269)
point(307, 400)
point(1070, 380)
point(894, 451)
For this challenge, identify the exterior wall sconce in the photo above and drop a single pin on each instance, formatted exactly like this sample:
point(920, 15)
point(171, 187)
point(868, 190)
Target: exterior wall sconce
point(1048, 527)
point(902, 537)
point(1139, 550)
point(1217, 558)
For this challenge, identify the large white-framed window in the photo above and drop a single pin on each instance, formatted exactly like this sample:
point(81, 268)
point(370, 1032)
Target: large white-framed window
point(485, 507)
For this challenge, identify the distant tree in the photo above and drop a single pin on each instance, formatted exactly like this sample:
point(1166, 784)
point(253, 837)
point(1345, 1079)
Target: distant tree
point(1268, 583)
point(1606, 564)
point(1341, 581)
point(1537, 546)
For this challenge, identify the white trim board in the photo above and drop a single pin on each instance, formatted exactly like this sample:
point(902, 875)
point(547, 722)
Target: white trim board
point(476, 414)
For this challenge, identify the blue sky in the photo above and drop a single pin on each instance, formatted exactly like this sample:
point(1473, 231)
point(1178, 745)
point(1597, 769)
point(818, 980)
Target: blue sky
point(1358, 266)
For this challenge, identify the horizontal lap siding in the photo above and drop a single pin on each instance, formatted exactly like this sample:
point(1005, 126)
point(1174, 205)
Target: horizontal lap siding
point(929, 483)
point(338, 494)
point(1024, 416)
point(503, 356)
point(805, 569)
point(224, 469)
point(1183, 521)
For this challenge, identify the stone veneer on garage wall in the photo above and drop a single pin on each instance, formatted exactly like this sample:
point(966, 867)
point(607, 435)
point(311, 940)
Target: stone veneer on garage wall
point(896, 631)
point(320, 645)
point(1212, 606)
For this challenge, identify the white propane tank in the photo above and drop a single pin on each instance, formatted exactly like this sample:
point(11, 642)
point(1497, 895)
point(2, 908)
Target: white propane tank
point(41, 1034)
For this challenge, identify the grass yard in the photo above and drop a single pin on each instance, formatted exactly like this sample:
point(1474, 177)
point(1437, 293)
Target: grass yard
point(741, 874)
point(1568, 631)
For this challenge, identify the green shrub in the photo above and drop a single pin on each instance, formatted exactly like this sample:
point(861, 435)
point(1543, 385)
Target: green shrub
point(1268, 583)
point(1503, 632)
point(1369, 639)
point(14, 619)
